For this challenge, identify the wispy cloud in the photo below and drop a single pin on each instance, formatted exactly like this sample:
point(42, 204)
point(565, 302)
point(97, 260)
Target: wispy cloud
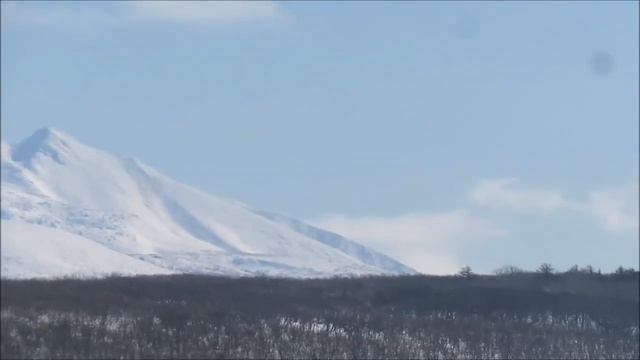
point(434, 242)
point(503, 193)
point(123, 12)
point(207, 11)
point(614, 209)
point(428, 242)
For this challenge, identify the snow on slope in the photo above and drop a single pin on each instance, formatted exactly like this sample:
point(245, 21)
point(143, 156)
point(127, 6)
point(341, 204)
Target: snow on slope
point(44, 252)
point(334, 240)
point(121, 205)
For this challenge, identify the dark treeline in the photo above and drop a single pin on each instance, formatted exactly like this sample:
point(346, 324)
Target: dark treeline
point(513, 315)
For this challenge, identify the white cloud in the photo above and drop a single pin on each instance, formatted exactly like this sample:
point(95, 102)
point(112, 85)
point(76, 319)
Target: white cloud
point(207, 11)
point(428, 242)
point(14, 12)
point(614, 209)
point(432, 242)
point(501, 193)
point(119, 12)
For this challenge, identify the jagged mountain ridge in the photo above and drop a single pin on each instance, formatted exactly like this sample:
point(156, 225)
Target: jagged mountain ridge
point(81, 203)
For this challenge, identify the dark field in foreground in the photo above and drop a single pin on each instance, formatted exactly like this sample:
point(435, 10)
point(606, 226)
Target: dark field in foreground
point(521, 315)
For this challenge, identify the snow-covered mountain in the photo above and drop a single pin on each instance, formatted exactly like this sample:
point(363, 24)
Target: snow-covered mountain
point(69, 209)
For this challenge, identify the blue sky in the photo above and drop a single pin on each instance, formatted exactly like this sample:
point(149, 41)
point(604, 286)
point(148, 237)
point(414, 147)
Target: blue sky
point(443, 133)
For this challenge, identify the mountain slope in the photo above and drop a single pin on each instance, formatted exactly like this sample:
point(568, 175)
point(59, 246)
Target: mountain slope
point(123, 208)
point(45, 252)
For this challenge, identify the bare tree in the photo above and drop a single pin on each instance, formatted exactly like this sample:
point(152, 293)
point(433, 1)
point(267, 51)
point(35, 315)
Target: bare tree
point(466, 272)
point(587, 269)
point(573, 270)
point(186, 316)
point(546, 269)
point(508, 270)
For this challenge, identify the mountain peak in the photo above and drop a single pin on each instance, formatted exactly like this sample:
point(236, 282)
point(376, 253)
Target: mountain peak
point(48, 141)
point(49, 134)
